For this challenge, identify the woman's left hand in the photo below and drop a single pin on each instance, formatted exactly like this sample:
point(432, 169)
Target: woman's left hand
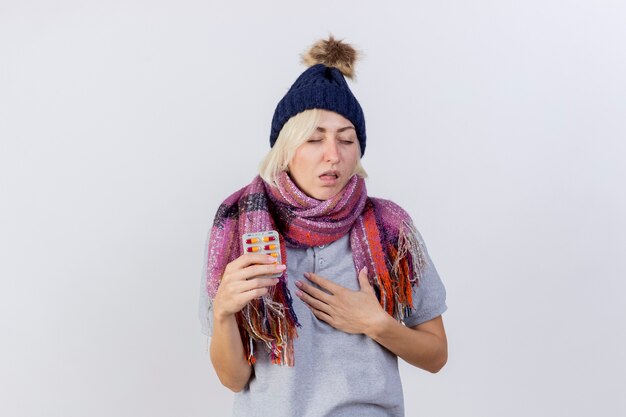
point(347, 310)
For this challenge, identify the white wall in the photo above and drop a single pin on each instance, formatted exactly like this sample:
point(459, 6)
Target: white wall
point(499, 125)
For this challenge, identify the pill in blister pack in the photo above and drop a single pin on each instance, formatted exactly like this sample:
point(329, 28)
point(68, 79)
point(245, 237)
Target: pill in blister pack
point(264, 243)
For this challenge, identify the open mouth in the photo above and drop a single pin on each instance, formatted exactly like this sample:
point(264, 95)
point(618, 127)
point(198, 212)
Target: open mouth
point(329, 176)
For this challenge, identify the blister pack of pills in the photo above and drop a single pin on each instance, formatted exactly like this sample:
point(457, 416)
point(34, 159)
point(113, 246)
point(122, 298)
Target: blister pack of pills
point(265, 243)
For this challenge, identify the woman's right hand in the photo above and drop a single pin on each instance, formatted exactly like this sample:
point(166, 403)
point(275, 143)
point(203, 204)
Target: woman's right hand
point(240, 282)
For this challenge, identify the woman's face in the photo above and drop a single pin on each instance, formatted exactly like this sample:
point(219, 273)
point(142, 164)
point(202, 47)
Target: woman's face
point(323, 164)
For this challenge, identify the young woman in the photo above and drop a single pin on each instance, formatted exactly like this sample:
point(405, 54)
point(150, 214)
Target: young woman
point(357, 289)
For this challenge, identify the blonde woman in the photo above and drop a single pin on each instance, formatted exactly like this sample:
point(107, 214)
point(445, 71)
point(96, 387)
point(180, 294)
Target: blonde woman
point(356, 289)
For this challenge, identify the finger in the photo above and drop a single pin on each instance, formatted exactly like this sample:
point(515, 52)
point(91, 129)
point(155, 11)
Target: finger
point(314, 302)
point(364, 281)
point(258, 283)
point(323, 282)
point(254, 271)
point(315, 292)
point(248, 259)
point(321, 315)
point(248, 296)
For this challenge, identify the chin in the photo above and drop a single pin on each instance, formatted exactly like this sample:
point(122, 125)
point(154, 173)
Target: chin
point(325, 194)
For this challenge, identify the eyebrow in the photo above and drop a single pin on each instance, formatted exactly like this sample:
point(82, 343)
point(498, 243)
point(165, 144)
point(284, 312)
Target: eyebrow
point(343, 129)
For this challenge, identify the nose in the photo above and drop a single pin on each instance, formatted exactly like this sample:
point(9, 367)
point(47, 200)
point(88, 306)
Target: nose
point(331, 151)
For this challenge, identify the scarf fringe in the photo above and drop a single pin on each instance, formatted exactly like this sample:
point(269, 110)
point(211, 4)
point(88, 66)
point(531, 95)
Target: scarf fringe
point(409, 243)
point(408, 266)
point(268, 322)
point(396, 268)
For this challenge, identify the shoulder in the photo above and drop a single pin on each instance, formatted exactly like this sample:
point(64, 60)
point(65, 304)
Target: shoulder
point(251, 195)
point(393, 217)
point(389, 208)
point(254, 188)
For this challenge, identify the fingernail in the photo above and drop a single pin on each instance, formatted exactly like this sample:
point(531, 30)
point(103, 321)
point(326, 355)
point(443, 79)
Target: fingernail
point(364, 269)
point(281, 267)
point(298, 293)
point(298, 284)
point(307, 274)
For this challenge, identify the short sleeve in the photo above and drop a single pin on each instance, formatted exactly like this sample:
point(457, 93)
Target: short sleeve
point(429, 297)
point(205, 305)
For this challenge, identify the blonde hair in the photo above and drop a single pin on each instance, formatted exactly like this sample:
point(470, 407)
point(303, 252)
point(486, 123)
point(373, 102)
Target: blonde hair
point(294, 133)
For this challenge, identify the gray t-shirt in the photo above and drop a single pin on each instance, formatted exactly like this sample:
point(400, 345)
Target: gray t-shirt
point(335, 374)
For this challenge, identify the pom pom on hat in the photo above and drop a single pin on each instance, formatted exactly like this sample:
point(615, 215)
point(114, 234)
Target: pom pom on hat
point(323, 86)
point(332, 53)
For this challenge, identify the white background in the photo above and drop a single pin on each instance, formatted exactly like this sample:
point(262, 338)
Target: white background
point(499, 126)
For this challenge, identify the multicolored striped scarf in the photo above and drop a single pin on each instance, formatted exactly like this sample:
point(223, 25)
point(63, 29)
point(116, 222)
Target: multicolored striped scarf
point(382, 238)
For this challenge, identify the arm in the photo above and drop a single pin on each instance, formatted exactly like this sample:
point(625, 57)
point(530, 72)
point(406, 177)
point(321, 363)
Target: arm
point(227, 355)
point(424, 345)
point(238, 286)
